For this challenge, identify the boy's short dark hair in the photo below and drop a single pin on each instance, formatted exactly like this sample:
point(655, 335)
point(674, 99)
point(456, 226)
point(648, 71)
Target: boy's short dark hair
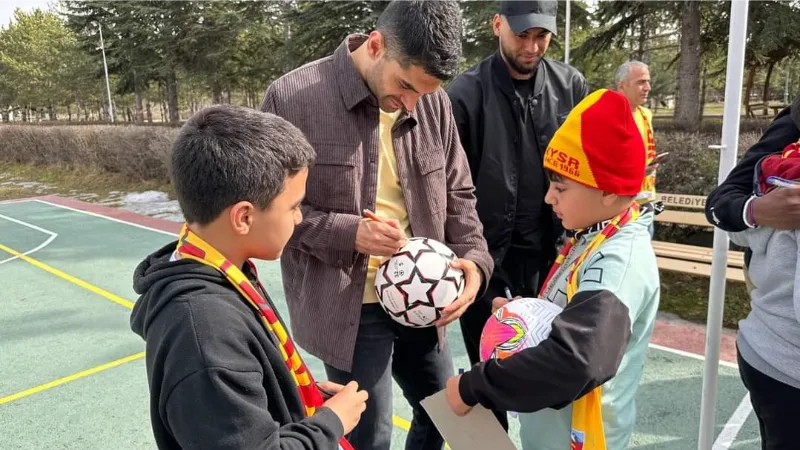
point(226, 154)
point(423, 33)
point(554, 176)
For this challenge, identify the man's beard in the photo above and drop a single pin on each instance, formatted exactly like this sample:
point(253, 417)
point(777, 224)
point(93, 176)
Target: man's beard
point(516, 66)
point(373, 79)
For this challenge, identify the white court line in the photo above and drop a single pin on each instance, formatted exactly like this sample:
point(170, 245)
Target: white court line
point(655, 346)
point(34, 227)
point(691, 355)
point(14, 200)
point(724, 440)
point(113, 219)
point(734, 424)
point(728, 434)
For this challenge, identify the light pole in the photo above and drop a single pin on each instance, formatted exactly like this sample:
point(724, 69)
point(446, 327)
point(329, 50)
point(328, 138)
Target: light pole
point(105, 67)
point(727, 160)
point(566, 37)
point(786, 88)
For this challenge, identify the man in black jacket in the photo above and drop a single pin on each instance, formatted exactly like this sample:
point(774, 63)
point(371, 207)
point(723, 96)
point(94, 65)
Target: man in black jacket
point(507, 107)
point(732, 205)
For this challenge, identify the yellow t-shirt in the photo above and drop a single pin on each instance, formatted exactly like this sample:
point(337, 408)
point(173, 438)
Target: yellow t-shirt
point(644, 119)
point(390, 203)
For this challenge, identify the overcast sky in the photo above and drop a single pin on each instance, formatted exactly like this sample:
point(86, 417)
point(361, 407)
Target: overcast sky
point(7, 8)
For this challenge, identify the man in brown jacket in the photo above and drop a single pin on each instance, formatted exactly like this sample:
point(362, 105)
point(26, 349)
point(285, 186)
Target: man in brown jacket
point(386, 141)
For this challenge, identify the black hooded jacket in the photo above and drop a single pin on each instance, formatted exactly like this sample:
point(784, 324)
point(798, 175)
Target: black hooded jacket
point(217, 378)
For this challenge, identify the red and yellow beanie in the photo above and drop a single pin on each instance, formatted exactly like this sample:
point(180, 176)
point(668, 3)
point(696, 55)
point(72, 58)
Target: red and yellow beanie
point(599, 145)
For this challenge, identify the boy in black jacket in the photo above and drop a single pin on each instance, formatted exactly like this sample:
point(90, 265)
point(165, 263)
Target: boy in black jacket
point(222, 370)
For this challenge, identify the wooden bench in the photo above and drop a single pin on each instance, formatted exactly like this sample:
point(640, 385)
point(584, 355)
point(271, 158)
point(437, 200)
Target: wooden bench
point(765, 107)
point(688, 210)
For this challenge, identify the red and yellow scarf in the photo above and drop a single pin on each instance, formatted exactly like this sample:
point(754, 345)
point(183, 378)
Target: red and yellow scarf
point(648, 193)
point(191, 246)
point(587, 419)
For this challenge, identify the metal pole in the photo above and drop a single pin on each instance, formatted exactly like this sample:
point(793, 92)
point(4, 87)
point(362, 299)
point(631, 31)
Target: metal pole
point(105, 67)
point(566, 37)
point(727, 160)
point(786, 88)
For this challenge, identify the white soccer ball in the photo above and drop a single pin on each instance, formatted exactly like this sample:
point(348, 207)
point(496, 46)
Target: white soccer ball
point(417, 282)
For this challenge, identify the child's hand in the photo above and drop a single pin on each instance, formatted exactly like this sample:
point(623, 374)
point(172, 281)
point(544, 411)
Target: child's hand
point(348, 404)
point(454, 397)
point(499, 302)
point(329, 388)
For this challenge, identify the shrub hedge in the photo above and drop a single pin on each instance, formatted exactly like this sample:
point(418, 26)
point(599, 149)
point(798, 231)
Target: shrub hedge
point(136, 152)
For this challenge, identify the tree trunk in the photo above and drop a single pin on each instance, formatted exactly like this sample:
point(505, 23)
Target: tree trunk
point(172, 97)
point(642, 38)
point(138, 88)
point(748, 88)
point(687, 102)
point(703, 93)
point(69, 112)
point(149, 113)
point(765, 94)
point(288, 65)
point(52, 112)
point(216, 92)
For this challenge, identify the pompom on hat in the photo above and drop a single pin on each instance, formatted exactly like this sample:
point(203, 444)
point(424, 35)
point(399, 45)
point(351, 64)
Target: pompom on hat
point(599, 145)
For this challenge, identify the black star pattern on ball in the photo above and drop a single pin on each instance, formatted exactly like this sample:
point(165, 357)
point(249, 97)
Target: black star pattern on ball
point(414, 252)
point(415, 283)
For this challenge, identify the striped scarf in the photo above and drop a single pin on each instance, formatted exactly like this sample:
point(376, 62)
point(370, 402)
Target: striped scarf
point(587, 419)
point(191, 246)
point(648, 193)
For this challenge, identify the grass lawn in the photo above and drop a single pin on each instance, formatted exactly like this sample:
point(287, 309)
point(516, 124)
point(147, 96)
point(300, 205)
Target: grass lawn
point(687, 297)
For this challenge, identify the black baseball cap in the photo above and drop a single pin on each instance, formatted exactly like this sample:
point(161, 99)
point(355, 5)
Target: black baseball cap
point(522, 15)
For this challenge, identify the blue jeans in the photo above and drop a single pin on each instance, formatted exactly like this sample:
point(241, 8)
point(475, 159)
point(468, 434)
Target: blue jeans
point(386, 350)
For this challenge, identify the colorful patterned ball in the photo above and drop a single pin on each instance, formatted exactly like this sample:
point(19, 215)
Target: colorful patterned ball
point(520, 324)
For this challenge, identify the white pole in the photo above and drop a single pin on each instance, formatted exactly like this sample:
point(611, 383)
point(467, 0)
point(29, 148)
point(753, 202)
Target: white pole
point(566, 37)
point(786, 88)
point(105, 67)
point(727, 160)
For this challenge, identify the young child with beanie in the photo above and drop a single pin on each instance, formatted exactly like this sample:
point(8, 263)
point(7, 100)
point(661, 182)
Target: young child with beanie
point(768, 341)
point(577, 388)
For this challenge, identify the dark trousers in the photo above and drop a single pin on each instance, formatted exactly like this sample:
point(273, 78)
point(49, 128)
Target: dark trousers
point(385, 350)
point(775, 405)
point(522, 271)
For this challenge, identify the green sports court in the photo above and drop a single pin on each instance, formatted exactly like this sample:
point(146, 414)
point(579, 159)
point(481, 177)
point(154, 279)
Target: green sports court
point(73, 374)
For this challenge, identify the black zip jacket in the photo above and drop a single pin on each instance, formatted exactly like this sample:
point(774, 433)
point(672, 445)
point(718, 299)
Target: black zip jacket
point(488, 115)
point(725, 204)
point(217, 378)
